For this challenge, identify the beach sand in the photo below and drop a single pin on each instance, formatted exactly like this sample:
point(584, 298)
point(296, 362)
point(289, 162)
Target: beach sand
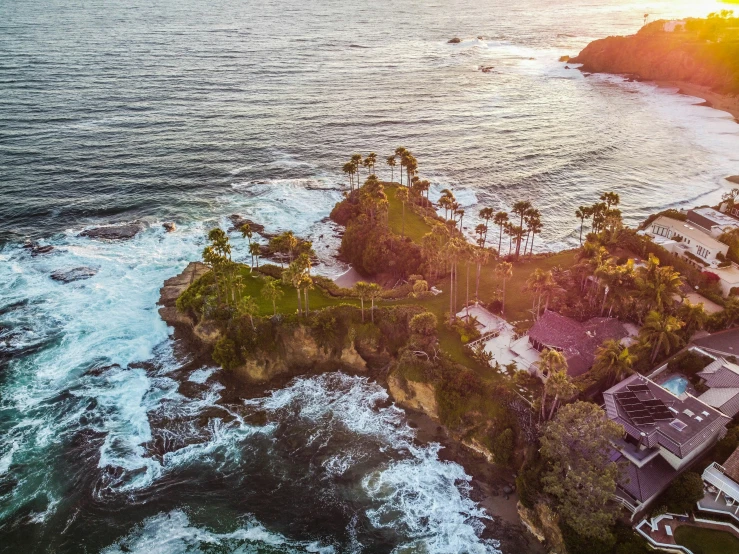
point(349, 279)
point(712, 99)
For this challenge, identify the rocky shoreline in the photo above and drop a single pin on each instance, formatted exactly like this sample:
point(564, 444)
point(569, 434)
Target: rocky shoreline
point(491, 486)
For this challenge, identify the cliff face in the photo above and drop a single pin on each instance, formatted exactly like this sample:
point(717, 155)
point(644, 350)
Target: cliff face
point(296, 351)
point(665, 57)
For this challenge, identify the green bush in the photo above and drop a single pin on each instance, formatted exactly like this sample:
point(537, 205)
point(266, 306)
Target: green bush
point(578, 544)
point(224, 353)
point(503, 445)
point(682, 494)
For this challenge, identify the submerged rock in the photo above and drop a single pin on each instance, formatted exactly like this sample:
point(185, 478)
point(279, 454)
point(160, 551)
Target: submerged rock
point(76, 274)
point(455, 40)
point(116, 232)
point(487, 69)
point(36, 248)
point(169, 226)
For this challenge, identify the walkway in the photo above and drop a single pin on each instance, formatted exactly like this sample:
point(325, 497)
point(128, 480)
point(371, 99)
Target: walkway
point(660, 531)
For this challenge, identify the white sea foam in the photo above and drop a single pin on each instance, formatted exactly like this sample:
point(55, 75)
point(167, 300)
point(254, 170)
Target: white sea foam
point(420, 497)
point(299, 205)
point(173, 533)
point(200, 376)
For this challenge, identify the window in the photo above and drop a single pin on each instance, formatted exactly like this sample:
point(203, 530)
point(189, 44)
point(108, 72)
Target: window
point(677, 424)
point(661, 231)
point(703, 252)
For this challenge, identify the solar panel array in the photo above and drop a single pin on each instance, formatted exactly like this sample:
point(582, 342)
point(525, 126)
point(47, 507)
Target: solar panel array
point(642, 412)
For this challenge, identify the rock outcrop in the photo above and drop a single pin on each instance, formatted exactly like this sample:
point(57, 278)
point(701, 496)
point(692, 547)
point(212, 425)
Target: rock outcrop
point(414, 395)
point(115, 232)
point(76, 274)
point(172, 289)
point(455, 40)
point(662, 56)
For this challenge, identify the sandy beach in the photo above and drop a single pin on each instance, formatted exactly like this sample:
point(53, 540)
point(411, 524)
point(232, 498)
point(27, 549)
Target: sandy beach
point(713, 99)
point(349, 279)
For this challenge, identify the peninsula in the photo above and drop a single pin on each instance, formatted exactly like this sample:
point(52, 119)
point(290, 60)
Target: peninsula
point(698, 56)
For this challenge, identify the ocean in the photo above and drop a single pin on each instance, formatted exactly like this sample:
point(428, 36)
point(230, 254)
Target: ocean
point(191, 111)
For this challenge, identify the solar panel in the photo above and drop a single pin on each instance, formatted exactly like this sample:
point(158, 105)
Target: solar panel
point(638, 388)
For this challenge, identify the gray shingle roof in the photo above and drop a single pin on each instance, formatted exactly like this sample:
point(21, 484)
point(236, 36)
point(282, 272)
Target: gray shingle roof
point(642, 483)
point(725, 343)
point(577, 341)
point(680, 442)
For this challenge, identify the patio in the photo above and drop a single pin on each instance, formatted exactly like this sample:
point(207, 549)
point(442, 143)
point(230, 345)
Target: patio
point(722, 493)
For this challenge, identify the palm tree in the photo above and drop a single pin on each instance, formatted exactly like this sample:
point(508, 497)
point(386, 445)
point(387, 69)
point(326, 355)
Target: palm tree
point(517, 233)
point(611, 199)
point(561, 387)
point(367, 163)
point(480, 230)
point(356, 161)
point(519, 208)
point(272, 292)
point(400, 153)
point(402, 195)
point(508, 228)
point(504, 271)
point(500, 219)
point(550, 363)
point(480, 257)
point(660, 331)
point(362, 290)
point(293, 276)
point(424, 186)
point(487, 215)
point(535, 226)
point(305, 284)
point(373, 291)
point(613, 360)
point(694, 316)
point(460, 213)
point(248, 306)
point(583, 212)
point(531, 215)
point(658, 286)
point(348, 169)
point(392, 163)
point(372, 157)
point(254, 251)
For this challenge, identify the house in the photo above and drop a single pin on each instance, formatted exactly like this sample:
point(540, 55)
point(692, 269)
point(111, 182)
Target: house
point(712, 221)
point(722, 379)
point(665, 434)
point(577, 341)
point(722, 487)
point(688, 241)
point(723, 343)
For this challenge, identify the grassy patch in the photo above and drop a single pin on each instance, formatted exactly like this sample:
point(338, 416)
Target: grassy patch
point(415, 226)
point(288, 304)
point(706, 541)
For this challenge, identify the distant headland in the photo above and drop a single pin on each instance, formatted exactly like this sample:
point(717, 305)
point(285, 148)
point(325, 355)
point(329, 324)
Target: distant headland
point(698, 56)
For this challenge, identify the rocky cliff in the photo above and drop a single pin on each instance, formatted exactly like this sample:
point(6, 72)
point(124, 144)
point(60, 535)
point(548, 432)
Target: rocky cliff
point(666, 56)
point(295, 351)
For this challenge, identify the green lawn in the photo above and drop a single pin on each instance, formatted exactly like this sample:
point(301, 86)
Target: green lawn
point(288, 304)
point(706, 541)
point(415, 226)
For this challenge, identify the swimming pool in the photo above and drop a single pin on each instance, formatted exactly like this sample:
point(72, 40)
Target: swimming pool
point(676, 385)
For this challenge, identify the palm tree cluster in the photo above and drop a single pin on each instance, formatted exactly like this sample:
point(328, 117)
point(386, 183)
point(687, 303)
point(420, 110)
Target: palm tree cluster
point(366, 291)
point(298, 276)
point(228, 282)
point(529, 225)
point(605, 214)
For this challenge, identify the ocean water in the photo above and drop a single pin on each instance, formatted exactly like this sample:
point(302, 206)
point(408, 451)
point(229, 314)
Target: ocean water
point(191, 111)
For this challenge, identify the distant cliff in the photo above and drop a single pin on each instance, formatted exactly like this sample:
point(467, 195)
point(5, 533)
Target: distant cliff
point(703, 52)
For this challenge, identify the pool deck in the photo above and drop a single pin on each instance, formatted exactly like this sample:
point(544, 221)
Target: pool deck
point(665, 377)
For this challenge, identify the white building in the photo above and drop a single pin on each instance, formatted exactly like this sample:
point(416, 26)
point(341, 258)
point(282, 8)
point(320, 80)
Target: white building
point(688, 241)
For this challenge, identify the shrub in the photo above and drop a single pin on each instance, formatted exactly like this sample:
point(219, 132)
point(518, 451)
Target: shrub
point(424, 324)
point(683, 493)
point(503, 445)
point(689, 363)
point(224, 353)
point(726, 446)
point(528, 480)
